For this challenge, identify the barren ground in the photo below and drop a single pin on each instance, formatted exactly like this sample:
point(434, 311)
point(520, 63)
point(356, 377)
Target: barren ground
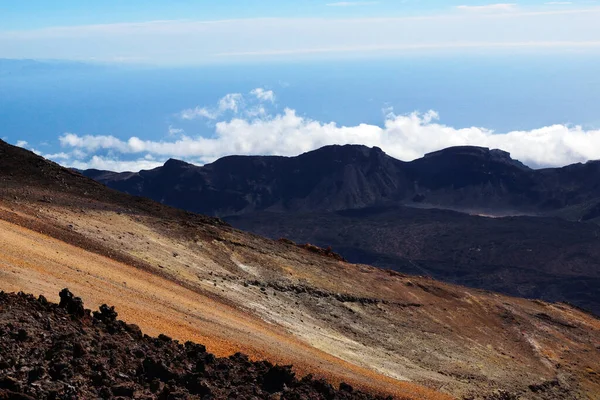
point(193, 278)
point(35, 263)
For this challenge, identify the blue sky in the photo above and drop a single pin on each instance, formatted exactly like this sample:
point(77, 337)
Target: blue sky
point(125, 85)
point(178, 33)
point(32, 14)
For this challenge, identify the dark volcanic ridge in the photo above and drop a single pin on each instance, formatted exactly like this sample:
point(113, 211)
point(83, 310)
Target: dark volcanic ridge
point(50, 351)
point(464, 178)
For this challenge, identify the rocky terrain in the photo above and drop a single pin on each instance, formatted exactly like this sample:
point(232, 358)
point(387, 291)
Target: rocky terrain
point(64, 351)
point(196, 278)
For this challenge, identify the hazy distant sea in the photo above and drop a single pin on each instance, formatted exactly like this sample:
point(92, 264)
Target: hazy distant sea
point(40, 101)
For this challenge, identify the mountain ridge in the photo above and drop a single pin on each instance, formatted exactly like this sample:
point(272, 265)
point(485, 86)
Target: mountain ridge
point(354, 176)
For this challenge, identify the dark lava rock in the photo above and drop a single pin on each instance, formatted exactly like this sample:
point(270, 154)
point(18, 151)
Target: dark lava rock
point(277, 378)
point(344, 387)
point(74, 305)
point(10, 395)
point(10, 383)
point(96, 356)
point(106, 314)
point(124, 390)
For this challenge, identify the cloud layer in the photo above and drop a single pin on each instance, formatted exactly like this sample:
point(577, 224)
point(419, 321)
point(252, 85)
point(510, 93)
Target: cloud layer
point(404, 136)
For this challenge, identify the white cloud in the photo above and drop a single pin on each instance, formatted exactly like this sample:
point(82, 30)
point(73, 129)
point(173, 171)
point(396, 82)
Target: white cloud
point(258, 111)
point(263, 95)
point(559, 3)
point(193, 113)
point(233, 103)
point(78, 154)
point(21, 143)
point(174, 131)
point(94, 143)
point(230, 102)
point(111, 164)
point(352, 3)
point(500, 7)
point(406, 137)
point(58, 156)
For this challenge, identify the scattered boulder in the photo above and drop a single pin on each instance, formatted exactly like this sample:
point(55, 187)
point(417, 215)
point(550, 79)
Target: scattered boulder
point(277, 378)
point(73, 305)
point(106, 314)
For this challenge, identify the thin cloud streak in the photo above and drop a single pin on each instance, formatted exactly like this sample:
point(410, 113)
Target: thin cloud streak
point(500, 7)
point(201, 42)
point(430, 46)
point(352, 3)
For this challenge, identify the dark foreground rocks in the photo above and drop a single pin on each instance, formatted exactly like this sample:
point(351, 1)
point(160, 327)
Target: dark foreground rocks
point(50, 351)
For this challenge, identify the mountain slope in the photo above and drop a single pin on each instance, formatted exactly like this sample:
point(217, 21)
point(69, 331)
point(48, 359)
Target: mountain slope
point(194, 277)
point(534, 257)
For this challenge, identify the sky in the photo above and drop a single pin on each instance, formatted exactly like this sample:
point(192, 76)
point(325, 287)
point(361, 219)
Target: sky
point(125, 85)
point(200, 32)
point(33, 14)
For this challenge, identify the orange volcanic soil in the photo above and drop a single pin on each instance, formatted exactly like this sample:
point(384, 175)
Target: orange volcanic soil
point(35, 263)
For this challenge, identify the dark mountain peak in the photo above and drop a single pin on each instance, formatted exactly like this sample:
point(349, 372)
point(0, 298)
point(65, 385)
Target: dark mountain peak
point(347, 149)
point(475, 152)
point(349, 153)
point(344, 147)
point(243, 165)
point(173, 163)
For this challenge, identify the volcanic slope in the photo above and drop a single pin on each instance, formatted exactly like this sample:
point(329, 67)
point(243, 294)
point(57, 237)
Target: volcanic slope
point(194, 277)
point(534, 257)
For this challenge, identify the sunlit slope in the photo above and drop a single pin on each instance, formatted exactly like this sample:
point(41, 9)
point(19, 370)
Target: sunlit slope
point(35, 263)
point(193, 277)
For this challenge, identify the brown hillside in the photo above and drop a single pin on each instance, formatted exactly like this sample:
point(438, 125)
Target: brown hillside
point(193, 277)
